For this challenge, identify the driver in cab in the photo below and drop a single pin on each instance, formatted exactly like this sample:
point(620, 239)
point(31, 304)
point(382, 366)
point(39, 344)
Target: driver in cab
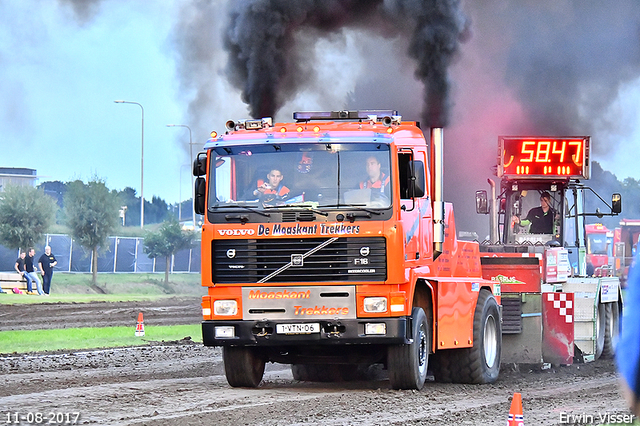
point(541, 218)
point(272, 189)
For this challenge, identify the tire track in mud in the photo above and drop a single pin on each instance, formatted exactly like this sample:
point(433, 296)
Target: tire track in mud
point(185, 384)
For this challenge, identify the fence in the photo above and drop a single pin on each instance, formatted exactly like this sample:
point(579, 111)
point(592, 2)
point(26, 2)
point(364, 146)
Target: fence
point(123, 254)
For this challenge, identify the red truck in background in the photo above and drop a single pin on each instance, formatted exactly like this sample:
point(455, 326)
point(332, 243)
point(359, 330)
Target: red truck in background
point(599, 250)
point(625, 242)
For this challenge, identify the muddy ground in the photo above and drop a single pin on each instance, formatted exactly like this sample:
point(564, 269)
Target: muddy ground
point(183, 383)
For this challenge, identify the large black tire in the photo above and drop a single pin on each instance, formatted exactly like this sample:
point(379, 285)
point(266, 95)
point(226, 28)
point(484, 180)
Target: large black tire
point(481, 363)
point(612, 329)
point(243, 366)
point(601, 327)
point(407, 364)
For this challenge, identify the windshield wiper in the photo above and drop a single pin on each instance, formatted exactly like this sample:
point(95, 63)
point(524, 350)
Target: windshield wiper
point(287, 207)
point(354, 206)
point(250, 208)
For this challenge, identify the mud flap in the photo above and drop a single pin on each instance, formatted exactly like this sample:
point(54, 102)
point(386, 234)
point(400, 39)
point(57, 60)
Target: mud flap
point(558, 330)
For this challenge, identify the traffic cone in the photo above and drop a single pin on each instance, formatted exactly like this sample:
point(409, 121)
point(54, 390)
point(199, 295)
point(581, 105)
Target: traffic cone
point(515, 413)
point(140, 326)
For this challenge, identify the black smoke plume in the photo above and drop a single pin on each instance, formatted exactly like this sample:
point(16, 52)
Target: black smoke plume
point(268, 45)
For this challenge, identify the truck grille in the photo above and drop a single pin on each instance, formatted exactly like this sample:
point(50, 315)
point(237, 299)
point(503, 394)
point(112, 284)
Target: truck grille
point(289, 260)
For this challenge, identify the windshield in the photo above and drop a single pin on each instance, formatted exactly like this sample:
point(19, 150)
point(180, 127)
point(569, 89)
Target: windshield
point(597, 244)
point(305, 175)
point(534, 215)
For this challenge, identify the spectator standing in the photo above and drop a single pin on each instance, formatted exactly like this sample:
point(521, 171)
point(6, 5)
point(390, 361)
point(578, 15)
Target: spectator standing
point(28, 267)
point(20, 268)
point(46, 263)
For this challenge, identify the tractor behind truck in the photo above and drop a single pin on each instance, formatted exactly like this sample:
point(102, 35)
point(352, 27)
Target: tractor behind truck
point(553, 310)
point(327, 245)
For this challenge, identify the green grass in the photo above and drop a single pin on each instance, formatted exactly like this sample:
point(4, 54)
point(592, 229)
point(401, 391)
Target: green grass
point(77, 287)
point(92, 337)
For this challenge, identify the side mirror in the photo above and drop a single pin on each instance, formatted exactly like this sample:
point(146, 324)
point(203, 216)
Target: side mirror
point(517, 206)
point(417, 183)
point(200, 164)
point(482, 203)
point(198, 201)
point(616, 203)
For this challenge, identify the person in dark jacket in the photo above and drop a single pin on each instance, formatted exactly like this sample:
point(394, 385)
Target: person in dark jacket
point(541, 218)
point(19, 267)
point(46, 263)
point(30, 269)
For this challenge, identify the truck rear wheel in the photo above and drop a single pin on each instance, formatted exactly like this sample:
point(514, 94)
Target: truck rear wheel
point(407, 364)
point(612, 329)
point(243, 366)
point(481, 363)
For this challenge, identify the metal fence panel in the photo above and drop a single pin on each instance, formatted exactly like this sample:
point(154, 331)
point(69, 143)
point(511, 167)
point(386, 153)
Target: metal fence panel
point(143, 262)
point(123, 254)
point(80, 258)
point(8, 258)
point(61, 249)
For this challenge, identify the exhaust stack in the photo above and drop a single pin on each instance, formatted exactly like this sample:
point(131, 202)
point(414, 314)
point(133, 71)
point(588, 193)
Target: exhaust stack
point(493, 214)
point(437, 189)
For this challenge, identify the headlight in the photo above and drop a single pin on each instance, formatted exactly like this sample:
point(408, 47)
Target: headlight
point(375, 304)
point(225, 307)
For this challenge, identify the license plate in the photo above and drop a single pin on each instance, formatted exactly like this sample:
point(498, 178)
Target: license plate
point(298, 328)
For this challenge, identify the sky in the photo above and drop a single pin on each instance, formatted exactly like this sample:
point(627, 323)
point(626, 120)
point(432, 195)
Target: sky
point(542, 66)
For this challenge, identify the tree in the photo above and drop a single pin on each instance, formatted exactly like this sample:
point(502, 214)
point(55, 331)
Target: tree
point(26, 213)
point(169, 239)
point(92, 215)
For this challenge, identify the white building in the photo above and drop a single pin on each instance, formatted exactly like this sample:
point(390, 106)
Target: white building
point(17, 176)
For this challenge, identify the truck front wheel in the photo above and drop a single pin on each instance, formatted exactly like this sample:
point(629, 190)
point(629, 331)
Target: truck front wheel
point(243, 366)
point(481, 362)
point(407, 364)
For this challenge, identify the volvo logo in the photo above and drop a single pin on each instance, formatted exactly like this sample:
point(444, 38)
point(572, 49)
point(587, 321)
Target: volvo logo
point(231, 253)
point(297, 260)
point(364, 251)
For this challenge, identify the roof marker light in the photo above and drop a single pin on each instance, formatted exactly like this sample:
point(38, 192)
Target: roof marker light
point(316, 129)
point(299, 129)
point(214, 134)
point(283, 129)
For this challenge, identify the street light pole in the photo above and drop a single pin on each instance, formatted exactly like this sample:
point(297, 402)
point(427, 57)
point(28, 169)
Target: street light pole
point(193, 212)
point(141, 163)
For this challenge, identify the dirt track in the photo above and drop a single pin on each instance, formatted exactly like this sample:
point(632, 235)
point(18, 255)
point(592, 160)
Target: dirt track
point(183, 383)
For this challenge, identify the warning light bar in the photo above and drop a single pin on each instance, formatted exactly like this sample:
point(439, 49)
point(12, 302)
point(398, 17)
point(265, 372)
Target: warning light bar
point(347, 115)
point(544, 157)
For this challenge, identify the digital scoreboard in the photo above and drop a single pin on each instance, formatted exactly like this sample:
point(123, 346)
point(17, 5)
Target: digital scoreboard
point(544, 157)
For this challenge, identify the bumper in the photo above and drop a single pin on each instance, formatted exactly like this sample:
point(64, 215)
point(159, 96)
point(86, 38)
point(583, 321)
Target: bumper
point(342, 332)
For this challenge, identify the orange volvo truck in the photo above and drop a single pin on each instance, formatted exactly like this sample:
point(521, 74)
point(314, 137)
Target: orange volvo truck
point(327, 245)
